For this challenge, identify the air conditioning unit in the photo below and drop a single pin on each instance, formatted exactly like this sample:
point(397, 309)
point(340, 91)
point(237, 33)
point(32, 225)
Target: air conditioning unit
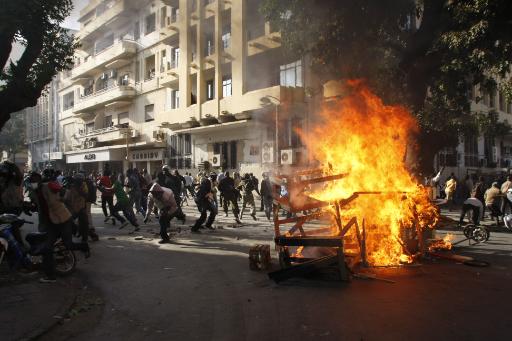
point(287, 157)
point(494, 154)
point(267, 152)
point(216, 159)
point(158, 135)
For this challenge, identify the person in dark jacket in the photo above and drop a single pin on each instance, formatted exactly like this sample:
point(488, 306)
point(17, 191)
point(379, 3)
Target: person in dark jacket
point(479, 192)
point(247, 187)
point(266, 195)
point(174, 183)
point(229, 193)
point(205, 202)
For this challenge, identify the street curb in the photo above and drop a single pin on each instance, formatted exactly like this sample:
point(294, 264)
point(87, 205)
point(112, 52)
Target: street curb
point(66, 306)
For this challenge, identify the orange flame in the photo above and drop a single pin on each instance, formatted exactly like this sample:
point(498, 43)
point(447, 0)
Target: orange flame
point(367, 140)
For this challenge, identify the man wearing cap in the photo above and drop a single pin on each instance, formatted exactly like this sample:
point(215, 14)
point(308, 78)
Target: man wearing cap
point(492, 201)
point(163, 199)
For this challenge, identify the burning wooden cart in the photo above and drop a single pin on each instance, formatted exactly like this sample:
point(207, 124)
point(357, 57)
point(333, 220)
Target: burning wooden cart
point(335, 247)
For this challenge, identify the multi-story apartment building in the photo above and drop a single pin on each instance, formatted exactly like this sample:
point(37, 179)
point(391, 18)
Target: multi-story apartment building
point(179, 82)
point(42, 122)
point(481, 154)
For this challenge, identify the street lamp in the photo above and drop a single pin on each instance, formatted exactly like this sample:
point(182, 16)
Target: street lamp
point(267, 100)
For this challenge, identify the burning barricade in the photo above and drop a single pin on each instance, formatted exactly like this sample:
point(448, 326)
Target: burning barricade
point(362, 206)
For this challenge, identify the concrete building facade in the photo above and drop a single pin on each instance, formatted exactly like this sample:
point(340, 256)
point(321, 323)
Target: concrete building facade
point(43, 138)
point(481, 154)
point(179, 82)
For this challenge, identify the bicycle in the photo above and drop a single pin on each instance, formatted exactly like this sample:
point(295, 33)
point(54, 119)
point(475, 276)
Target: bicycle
point(477, 233)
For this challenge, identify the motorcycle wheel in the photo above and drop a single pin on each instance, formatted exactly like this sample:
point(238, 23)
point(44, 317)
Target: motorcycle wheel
point(481, 235)
point(65, 260)
point(468, 231)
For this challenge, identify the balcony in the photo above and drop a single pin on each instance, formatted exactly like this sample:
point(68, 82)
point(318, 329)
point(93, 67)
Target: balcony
point(115, 56)
point(172, 26)
point(252, 100)
point(104, 136)
point(116, 95)
point(270, 40)
point(169, 76)
point(103, 21)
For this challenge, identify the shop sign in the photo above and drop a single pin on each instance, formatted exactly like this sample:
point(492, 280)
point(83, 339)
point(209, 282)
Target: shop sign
point(89, 157)
point(147, 155)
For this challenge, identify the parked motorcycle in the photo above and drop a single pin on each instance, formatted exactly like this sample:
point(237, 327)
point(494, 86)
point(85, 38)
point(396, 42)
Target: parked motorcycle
point(17, 255)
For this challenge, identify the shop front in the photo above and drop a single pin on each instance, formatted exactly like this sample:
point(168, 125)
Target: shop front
point(150, 159)
point(96, 160)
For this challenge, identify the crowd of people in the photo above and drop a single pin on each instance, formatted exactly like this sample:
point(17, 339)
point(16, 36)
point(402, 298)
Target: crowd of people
point(63, 201)
point(476, 195)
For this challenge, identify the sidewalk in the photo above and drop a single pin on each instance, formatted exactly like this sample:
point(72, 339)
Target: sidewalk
point(29, 308)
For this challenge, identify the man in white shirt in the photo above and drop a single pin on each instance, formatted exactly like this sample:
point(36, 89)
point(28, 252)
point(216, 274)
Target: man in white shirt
point(189, 182)
point(477, 208)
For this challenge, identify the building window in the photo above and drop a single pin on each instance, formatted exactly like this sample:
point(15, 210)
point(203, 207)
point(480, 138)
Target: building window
point(188, 144)
point(209, 46)
point(210, 93)
point(291, 74)
point(175, 58)
point(471, 151)
point(108, 121)
point(447, 157)
point(233, 152)
point(227, 89)
point(149, 112)
point(163, 60)
point(175, 99)
point(163, 16)
point(124, 80)
point(174, 145)
point(296, 126)
point(89, 127)
point(123, 118)
point(68, 100)
point(150, 68)
point(175, 14)
point(103, 43)
point(150, 23)
point(226, 36)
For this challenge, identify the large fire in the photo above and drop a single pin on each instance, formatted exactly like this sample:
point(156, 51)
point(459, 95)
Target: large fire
point(368, 140)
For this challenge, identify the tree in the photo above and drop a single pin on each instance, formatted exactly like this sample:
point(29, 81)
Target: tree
point(12, 136)
point(425, 54)
point(48, 49)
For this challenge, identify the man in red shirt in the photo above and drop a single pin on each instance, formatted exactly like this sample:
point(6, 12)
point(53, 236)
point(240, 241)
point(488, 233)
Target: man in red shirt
point(107, 195)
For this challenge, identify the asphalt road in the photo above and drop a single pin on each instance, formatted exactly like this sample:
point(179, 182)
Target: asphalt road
point(200, 288)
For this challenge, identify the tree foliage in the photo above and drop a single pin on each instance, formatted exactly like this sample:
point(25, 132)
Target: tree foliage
point(12, 136)
point(425, 54)
point(48, 49)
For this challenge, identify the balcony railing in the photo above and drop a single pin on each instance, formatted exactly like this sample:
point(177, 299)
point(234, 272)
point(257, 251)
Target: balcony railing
point(104, 96)
point(120, 49)
point(99, 20)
